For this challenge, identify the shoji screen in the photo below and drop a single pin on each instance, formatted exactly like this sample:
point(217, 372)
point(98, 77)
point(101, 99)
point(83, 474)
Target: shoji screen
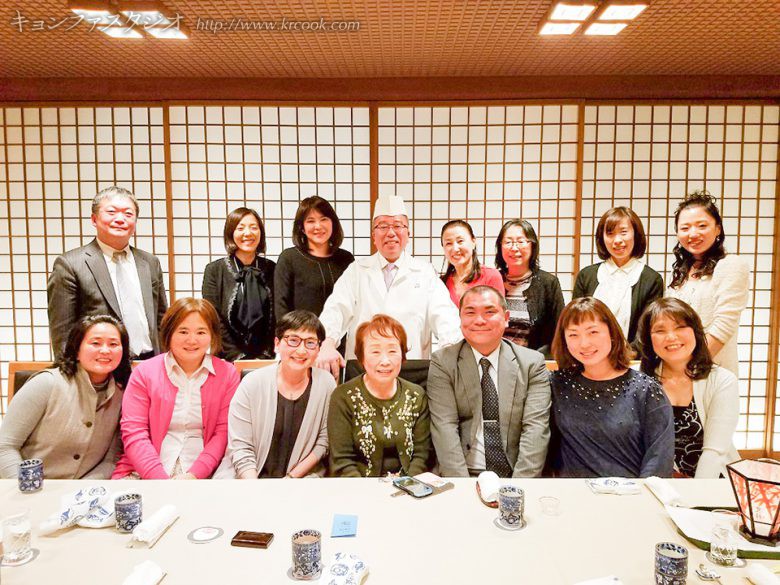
point(54, 160)
point(266, 158)
point(487, 165)
point(648, 157)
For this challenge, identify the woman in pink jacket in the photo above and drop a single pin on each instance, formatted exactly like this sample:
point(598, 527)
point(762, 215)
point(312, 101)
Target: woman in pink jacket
point(175, 407)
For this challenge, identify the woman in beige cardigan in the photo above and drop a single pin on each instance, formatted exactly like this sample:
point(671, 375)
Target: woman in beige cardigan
point(68, 415)
point(277, 419)
point(704, 396)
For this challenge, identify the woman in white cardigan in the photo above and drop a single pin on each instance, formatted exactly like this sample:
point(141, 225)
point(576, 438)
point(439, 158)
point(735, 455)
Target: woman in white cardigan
point(711, 281)
point(278, 415)
point(704, 396)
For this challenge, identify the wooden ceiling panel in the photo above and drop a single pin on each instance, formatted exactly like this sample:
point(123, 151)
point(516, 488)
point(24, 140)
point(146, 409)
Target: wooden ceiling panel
point(399, 38)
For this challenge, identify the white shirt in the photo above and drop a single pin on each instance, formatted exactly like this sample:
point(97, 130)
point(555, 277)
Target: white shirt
point(417, 298)
point(475, 459)
point(615, 287)
point(183, 443)
point(143, 345)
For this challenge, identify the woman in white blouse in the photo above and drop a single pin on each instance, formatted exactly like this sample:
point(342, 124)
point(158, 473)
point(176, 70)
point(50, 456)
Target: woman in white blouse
point(622, 281)
point(278, 416)
point(175, 407)
point(704, 396)
point(711, 281)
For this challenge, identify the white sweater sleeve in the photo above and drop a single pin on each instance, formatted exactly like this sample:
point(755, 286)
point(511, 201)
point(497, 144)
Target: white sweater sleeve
point(721, 406)
point(730, 283)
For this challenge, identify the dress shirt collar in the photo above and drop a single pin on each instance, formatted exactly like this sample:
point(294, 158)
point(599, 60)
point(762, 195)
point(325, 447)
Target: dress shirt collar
point(492, 358)
point(400, 263)
point(173, 368)
point(109, 252)
point(629, 267)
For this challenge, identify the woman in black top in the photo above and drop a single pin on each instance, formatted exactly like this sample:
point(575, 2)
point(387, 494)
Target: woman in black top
point(306, 273)
point(533, 296)
point(622, 281)
point(240, 286)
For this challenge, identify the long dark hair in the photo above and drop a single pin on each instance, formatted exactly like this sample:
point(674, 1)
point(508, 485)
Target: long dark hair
point(315, 202)
point(700, 364)
point(684, 260)
point(475, 267)
point(530, 235)
point(68, 363)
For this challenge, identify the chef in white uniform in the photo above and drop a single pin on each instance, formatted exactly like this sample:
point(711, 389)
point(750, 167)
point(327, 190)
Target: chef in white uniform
point(391, 282)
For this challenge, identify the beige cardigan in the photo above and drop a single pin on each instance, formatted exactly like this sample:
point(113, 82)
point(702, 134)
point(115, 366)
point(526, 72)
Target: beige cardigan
point(253, 413)
point(60, 421)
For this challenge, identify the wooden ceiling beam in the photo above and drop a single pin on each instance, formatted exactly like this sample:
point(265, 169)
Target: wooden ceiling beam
point(430, 89)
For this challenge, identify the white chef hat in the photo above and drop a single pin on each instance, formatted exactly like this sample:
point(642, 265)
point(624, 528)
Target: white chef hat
point(389, 205)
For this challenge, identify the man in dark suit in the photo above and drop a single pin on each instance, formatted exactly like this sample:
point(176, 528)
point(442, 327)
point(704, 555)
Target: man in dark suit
point(108, 276)
point(489, 399)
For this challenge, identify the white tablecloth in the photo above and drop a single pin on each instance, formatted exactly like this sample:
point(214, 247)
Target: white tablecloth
point(448, 538)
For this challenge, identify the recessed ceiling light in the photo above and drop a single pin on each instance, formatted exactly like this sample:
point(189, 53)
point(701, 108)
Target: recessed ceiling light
point(559, 28)
point(622, 11)
point(121, 32)
point(578, 12)
point(604, 29)
point(166, 33)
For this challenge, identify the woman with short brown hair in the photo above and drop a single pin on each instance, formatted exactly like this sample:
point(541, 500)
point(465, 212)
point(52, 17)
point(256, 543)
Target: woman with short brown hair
point(608, 419)
point(175, 407)
point(622, 281)
point(379, 423)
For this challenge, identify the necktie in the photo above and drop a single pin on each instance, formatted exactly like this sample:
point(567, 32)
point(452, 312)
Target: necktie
point(130, 303)
point(389, 271)
point(495, 458)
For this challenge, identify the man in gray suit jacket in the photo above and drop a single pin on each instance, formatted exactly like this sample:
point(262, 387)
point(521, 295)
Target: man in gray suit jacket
point(108, 276)
point(515, 442)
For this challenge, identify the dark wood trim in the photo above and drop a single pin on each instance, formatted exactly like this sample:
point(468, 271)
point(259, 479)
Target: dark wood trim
point(610, 87)
point(774, 337)
point(169, 203)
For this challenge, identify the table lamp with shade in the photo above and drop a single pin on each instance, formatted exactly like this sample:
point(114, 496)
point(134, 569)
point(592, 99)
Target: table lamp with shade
point(756, 485)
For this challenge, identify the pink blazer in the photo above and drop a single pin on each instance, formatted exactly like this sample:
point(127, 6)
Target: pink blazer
point(147, 408)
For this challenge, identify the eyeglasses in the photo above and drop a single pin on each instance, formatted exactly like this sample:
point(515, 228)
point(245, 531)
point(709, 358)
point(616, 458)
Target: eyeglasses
point(385, 227)
point(515, 243)
point(295, 341)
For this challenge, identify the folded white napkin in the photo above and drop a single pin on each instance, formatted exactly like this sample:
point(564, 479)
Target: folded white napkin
point(345, 569)
point(611, 580)
point(663, 490)
point(614, 485)
point(760, 575)
point(146, 573)
point(90, 507)
point(489, 483)
point(152, 528)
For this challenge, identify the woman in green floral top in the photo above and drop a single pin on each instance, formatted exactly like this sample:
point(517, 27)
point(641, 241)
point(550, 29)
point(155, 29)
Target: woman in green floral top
point(379, 423)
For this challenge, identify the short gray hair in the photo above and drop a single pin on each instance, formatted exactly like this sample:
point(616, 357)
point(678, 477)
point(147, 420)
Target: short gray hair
point(110, 193)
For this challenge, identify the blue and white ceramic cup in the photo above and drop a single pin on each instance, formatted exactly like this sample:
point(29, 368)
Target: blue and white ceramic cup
point(511, 506)
point(30, 475)
point(671, 564)
point(306, 554)
point(128, 509)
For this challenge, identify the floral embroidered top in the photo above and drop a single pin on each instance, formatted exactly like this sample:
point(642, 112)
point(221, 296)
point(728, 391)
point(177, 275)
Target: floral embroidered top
point(367, 434)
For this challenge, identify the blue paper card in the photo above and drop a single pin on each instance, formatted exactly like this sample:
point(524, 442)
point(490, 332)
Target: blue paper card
point(344, 525)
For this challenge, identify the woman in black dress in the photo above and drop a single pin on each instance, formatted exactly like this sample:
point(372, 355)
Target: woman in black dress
point(240, 286)
point(306, 273)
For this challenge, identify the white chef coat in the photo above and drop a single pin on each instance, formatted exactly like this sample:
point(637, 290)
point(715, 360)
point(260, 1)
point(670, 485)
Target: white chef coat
point(417, 298)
